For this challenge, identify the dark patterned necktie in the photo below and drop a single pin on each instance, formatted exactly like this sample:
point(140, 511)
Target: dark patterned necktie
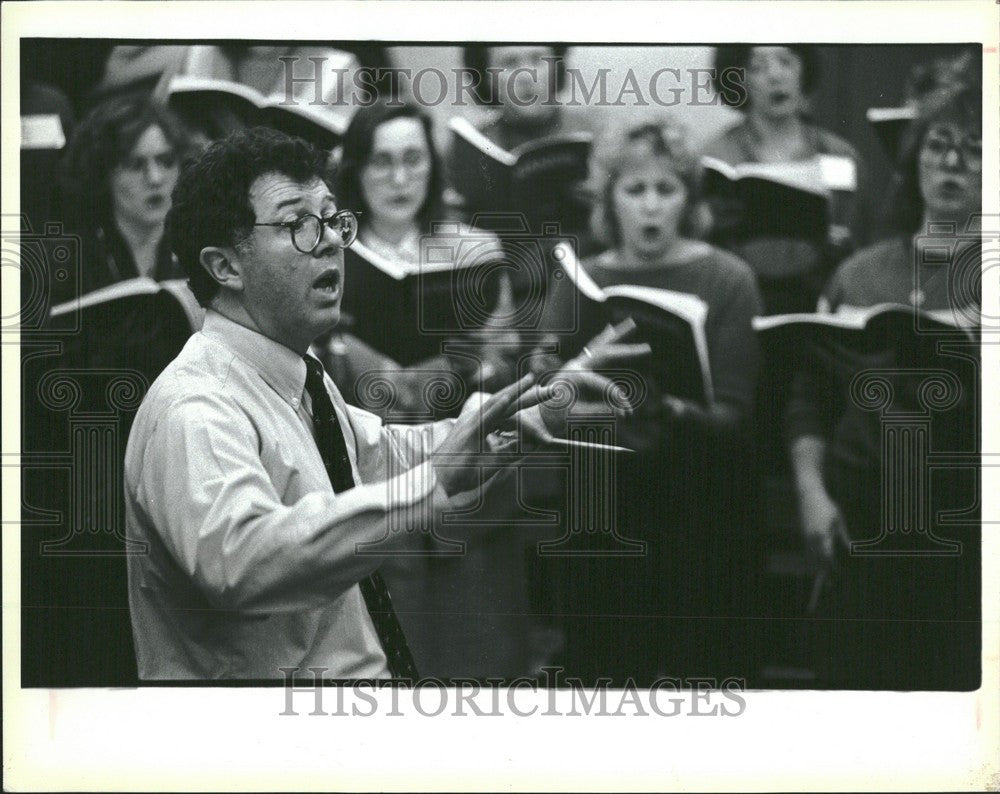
point(333, 450)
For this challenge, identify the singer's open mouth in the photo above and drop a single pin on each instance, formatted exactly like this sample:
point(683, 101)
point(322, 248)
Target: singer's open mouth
point(328, 282)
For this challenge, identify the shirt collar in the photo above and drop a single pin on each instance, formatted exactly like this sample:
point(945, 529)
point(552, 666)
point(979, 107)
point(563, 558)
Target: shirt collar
point(281, 367)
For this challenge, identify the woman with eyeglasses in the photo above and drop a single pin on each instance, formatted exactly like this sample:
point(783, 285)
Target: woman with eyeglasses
point(776, 129)
point(644, 179)
point(466, 614)
point(903, 622)
point(117, 176)
point(391, 173)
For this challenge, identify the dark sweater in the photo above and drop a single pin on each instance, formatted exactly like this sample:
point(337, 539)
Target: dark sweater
point(727, 286)
point(886, 272)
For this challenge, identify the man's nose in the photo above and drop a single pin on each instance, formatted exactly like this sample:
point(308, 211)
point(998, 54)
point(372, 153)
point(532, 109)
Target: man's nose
point(328, 242)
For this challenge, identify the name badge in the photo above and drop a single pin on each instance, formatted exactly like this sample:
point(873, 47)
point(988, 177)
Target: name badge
point(838, 173)
point(42, 132)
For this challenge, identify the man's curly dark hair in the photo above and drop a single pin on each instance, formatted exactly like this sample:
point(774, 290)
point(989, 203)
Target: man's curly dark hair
point(211, 202)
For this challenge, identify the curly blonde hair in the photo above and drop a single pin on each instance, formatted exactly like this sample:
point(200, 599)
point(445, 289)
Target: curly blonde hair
point(626, 142)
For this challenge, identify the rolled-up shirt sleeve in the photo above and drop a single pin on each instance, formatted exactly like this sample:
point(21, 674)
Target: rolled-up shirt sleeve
point(205, 488)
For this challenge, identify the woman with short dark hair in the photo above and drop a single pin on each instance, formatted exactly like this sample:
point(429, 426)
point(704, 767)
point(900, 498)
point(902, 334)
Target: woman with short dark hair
point(390, 172)
point(117, 178)
point(360, 165)
point(776, 128)
point(465, 615)
point(914, 201)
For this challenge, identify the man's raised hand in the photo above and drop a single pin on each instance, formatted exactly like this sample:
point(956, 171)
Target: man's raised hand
point(465, 454)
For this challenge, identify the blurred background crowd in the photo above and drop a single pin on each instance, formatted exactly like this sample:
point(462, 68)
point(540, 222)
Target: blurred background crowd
point(745, 504)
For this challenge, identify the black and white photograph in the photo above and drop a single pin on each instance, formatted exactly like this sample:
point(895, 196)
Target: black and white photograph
point(379, 369)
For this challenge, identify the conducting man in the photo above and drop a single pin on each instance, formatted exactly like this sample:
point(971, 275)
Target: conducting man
point(255, 488)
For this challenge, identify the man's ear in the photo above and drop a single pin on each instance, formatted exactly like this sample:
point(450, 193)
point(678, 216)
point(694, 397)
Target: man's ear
point(224, 266)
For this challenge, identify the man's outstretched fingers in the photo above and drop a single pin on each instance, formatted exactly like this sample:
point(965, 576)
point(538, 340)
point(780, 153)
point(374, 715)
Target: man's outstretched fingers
point(504, 402)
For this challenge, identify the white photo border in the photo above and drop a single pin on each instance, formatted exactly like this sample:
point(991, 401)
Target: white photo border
point(235, 739)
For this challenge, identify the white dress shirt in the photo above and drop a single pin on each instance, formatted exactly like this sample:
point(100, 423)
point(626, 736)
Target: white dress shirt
point(251, 560)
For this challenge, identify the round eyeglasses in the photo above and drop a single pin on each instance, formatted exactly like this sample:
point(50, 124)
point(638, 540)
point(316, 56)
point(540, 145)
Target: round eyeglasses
point(382, 166)
point(938, 145)
point(307, 230)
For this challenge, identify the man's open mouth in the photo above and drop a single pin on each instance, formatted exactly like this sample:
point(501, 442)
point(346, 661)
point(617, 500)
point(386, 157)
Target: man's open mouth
point(328, 282)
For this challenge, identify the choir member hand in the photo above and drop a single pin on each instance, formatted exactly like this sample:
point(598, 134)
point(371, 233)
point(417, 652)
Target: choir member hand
point(607, 348)
point(823, 527)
